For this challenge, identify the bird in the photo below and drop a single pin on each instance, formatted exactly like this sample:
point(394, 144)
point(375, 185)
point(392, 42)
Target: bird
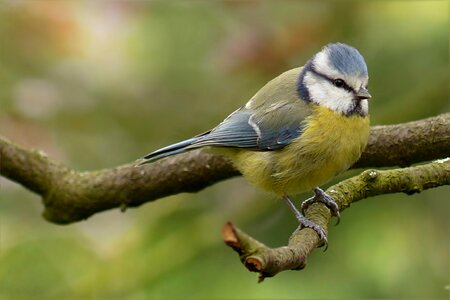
point(298, 131)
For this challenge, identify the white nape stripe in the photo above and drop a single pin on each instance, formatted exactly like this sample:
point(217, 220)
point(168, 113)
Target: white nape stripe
point(322, 65)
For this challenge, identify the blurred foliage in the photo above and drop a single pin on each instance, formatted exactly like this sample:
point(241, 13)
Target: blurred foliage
point(97, 84)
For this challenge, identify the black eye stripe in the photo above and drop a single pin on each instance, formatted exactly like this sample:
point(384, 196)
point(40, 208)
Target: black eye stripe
point(345, 86)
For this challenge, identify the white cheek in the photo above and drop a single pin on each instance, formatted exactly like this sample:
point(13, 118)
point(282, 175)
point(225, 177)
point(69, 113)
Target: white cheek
point(324, 93)
point(365, 106)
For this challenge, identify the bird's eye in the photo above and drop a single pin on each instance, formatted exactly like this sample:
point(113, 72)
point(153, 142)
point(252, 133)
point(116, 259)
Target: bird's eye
point(339, 83)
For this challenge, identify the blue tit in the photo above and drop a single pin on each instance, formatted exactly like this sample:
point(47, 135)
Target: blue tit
point(297, 132)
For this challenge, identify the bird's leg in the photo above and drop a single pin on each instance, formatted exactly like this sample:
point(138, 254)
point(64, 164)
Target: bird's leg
point(321, 196)
point(307, 223)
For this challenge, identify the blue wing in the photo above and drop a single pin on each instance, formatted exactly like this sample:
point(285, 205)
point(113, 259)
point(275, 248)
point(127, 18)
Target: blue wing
point(243, 129)
point(270, 130)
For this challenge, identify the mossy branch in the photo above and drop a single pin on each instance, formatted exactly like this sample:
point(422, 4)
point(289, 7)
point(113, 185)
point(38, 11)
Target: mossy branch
point(267, 261)
point(70, 196)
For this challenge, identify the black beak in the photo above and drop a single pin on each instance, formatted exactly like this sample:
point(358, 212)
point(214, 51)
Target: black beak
point(362, 94)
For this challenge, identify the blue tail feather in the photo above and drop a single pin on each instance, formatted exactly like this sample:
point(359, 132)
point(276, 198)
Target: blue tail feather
point(173, 149)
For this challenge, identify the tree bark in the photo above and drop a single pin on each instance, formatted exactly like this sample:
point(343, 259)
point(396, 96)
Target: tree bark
point(267, 261)
point(70, 196)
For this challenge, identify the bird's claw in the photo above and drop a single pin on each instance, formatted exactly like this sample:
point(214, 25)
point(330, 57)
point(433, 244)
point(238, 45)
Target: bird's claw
point(321, 196)
point(306, 223)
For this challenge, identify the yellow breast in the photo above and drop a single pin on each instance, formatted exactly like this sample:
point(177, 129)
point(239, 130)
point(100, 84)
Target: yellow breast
point(329, 145)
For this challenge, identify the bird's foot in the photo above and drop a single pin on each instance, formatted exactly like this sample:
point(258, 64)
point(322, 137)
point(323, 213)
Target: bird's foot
point(321, 196)
point(305, 222)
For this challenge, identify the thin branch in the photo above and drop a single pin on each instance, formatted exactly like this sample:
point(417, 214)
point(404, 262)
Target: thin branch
point(267, 261)
point(70, 196)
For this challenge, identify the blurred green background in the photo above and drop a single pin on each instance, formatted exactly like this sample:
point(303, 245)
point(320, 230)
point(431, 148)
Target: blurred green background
point(98, 84)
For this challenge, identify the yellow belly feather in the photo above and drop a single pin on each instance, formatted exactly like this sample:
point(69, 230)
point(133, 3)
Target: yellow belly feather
point(329, 145)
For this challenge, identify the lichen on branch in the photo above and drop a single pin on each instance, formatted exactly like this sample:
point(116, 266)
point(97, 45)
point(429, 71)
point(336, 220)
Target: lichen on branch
point(267, 261)
point(70, 196)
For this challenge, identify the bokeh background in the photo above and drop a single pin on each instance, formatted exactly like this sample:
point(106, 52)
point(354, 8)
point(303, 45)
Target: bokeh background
point(96, 84)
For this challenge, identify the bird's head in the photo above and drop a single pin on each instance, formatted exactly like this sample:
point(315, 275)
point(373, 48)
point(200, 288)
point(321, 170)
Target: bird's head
point(337, 78)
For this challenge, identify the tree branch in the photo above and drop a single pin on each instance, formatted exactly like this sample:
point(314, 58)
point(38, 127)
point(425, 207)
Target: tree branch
point(70, 196)
point(257, 257)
